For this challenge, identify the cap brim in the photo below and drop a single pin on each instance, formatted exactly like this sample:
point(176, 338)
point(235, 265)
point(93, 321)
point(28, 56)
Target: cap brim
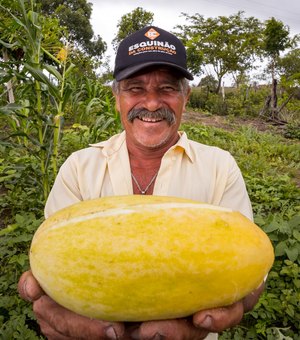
point(129, 71)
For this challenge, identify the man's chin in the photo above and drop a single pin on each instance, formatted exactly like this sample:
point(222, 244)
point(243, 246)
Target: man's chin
point(152, 143)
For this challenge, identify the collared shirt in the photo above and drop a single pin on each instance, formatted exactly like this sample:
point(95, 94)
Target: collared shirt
point(188, 169)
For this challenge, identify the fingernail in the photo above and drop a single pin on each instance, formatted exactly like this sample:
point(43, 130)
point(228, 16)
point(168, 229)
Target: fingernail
point(111, 333)
point(207, 322)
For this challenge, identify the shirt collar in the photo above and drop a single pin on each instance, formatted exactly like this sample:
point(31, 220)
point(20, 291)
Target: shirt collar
point(114, 143)
point(184, 144)
point(111, 145)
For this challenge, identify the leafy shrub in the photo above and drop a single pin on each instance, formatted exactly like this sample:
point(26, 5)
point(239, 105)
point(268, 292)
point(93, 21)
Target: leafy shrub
point(292, 131)
point(244, 102)
point(207, 101)
point(16, 319)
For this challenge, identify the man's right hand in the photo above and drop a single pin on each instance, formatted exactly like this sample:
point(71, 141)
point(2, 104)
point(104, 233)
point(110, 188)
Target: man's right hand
point(59, 323)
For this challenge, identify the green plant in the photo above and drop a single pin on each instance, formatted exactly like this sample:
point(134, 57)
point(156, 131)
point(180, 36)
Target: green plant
point(35, 122)
point(17, 320)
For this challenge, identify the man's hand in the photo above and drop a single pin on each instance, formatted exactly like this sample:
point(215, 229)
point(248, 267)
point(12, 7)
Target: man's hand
point(58, 323)
point(195, 328)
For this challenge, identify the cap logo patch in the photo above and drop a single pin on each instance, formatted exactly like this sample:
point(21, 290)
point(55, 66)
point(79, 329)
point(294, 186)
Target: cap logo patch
point(152, 34)
point(152, 45)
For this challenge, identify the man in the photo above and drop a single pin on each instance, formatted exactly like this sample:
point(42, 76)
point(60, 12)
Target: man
point(149, 157)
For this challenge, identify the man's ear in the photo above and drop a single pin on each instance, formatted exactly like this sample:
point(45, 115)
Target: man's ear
point(117, 100)
point(187, 97)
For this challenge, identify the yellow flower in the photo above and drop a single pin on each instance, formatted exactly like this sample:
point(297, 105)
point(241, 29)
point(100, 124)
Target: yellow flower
point(62, 54)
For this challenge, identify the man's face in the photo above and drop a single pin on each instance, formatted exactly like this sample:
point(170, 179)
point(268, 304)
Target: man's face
point(151, 106)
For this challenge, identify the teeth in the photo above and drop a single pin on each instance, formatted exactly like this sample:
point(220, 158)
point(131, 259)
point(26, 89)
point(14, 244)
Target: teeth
point(151, 120)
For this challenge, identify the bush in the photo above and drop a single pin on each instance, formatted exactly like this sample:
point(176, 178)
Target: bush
point(244, 102)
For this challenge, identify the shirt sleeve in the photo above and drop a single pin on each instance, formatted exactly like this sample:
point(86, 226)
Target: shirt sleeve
point(235, 194)
point(65, 190)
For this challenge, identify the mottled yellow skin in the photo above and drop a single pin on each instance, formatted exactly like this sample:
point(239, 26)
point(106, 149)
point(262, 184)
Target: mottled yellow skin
point(137, 258)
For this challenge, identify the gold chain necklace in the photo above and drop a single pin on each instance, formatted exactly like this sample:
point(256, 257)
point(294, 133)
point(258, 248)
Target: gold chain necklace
point(143, 192)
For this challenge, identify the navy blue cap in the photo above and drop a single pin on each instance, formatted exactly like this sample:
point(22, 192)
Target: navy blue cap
point(148, 47)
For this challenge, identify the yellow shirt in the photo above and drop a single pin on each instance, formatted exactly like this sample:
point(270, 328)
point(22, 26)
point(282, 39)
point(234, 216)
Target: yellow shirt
point(188, 169)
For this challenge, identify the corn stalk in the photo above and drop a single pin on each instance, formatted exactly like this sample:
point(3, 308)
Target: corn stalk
point(45, 89)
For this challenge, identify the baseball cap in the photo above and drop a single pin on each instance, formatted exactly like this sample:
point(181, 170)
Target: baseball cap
point(147, 47)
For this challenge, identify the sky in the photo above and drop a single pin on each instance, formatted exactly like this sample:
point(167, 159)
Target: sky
point(167, 13)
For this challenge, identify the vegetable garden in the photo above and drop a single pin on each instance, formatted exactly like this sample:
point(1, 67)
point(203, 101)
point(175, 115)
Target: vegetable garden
point(60, 105)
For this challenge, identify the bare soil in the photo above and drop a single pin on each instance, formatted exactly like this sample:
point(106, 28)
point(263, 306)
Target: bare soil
point(228, 123)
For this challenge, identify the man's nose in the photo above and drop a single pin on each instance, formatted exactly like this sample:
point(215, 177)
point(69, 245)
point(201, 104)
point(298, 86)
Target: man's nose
point(152, 100)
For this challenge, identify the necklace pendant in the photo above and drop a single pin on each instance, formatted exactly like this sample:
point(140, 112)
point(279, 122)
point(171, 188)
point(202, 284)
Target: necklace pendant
point(143, 192)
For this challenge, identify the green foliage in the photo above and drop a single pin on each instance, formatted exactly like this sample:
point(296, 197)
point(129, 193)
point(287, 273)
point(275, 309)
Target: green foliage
point(248, 101)
point(38, 91)
point(132, 22)
point(16, 317)
point(276, 37)
point(20, 183)
point(209, 83)
point(292, 131)
point(244, 101)
point(289, 66)
point(43, 89)
point(226, 44)
point(75, 15)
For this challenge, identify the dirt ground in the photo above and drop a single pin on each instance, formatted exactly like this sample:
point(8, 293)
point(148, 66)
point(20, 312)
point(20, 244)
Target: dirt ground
point(228, 123)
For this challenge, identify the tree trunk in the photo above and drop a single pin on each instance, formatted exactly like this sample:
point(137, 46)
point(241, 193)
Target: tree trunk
point(273, 114)
point(266, 107)
point(274, 111)
point(219, 85)
point(223, 92)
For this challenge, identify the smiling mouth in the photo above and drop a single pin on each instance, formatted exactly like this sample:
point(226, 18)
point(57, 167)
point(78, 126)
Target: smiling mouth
point(150, 119)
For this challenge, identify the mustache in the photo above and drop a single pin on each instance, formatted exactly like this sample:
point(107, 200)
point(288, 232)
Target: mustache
point(160, 114)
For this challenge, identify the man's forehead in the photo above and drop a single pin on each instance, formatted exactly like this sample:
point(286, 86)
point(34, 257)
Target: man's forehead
point(165, 73)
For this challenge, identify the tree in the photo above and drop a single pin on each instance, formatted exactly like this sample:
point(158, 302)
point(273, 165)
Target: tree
point(226, 44)
point(132, 22)
point(275, 40)
point(289, 69)
point(75, 15)
point(209, 82)
point(289, 66)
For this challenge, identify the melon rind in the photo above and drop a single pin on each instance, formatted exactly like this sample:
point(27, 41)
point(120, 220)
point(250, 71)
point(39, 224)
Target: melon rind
point(137, 258)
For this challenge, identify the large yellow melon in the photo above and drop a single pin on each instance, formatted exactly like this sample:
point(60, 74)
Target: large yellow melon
point(133, 258)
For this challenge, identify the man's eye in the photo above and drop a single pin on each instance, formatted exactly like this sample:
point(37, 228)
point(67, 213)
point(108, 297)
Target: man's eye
point(168, 88)
point(135, 89)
